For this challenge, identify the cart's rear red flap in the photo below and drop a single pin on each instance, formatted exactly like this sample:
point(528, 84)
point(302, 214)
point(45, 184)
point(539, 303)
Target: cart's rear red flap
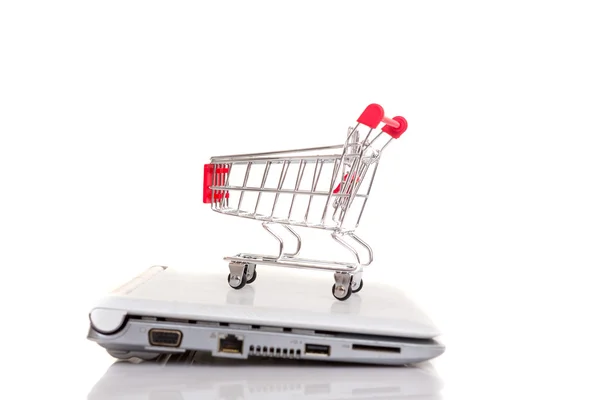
point(221, 172)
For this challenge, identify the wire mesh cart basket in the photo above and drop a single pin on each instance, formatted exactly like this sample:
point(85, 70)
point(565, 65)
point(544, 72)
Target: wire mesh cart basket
point(320, 187)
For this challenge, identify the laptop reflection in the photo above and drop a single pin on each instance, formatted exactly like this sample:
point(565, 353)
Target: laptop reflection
point(199, 376)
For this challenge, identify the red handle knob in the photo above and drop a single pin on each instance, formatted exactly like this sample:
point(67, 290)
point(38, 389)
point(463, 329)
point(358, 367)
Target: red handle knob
point(372, 116)
point(399, 129)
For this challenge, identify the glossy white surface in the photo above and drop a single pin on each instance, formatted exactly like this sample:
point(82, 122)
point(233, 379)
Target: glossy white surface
point(278, 297)
point(197, 378)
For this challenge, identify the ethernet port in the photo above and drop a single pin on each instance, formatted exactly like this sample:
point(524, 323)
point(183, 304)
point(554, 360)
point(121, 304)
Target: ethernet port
point(231, 344)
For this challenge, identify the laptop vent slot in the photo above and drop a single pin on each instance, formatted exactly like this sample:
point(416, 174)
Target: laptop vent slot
point(278, 352)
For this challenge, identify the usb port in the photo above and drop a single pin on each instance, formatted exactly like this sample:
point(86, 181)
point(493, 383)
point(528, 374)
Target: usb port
point(317, 349)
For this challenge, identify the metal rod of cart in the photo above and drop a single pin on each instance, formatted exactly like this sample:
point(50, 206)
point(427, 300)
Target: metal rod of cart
point(320, 187)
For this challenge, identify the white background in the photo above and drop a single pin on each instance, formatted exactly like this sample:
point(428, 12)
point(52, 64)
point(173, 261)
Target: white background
point(486, 211)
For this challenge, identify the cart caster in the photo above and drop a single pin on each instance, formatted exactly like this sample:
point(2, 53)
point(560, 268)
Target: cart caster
point(342, 288)
point(250, 273)
point(252, 278)
point(241, 273)
point(236, 282)
point(357, 287)
point(340, 293)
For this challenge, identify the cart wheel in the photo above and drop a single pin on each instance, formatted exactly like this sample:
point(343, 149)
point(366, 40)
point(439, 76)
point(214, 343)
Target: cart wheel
point(237, 283)
point(359, 288)
point(252, 279)
point(340, 293)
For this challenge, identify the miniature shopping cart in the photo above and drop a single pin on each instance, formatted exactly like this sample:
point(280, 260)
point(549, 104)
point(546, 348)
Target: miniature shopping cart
point(321, 187)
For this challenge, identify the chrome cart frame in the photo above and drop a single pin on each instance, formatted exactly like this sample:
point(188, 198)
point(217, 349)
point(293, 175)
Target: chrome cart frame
point(320, 187)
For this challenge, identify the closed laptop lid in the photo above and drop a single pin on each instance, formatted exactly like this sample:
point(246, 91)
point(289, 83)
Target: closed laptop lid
point(280, 297)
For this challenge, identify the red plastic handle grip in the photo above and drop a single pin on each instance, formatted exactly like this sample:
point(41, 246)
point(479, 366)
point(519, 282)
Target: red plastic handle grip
point(399, 129)
point(374, 115)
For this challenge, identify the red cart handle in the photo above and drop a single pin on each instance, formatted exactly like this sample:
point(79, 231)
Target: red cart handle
point(399, 129)
point(374, 115)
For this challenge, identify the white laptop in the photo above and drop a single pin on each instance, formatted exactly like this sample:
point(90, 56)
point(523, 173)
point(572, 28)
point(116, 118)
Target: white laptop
point(283, 315)
point(194, 376)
